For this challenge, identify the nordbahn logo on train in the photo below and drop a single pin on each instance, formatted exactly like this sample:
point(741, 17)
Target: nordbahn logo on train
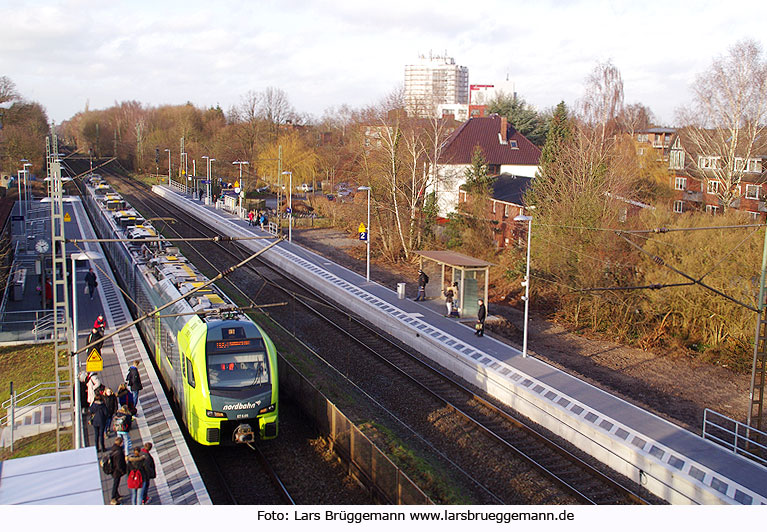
point(242, 406)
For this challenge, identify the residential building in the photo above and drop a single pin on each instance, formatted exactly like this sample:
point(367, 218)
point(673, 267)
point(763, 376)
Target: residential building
point(506, 151)
point(693, 178)
point(433, 81)
point(506, 201)
point(655, 139)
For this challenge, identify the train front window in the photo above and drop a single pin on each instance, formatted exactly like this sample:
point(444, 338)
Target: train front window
point(240, 370)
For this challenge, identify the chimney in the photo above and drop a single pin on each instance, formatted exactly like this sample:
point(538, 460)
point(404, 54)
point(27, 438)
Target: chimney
point(503, 130)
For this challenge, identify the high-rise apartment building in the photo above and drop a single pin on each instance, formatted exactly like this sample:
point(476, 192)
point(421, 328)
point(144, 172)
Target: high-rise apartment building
point(435, 80)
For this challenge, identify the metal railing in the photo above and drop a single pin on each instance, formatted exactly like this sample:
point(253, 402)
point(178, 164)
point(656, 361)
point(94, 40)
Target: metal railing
point(735, 436)
point(27, 326)
point(21, 404)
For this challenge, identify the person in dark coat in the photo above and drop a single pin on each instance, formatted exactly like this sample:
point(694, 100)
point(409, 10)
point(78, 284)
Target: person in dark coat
point(118, 468)
point(91, 282)
point(96, 335)
point(481, 315)
point(124, 397)
point(137, 461)
point(151, 472)
point(99, 416)
point(423, 280)
point(110, 401)
point(134, 381)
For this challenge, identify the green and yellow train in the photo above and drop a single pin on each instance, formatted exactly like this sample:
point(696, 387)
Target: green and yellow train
point(220, 367)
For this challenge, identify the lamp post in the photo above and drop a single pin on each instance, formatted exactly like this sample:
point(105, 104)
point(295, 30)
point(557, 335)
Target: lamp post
point(170, 183)
point(526, 282)
point(290, 205)
point(85, 255)
point(184, 168)
point(367, 237)
point(208, 194)
point(242, 188)
point(26, 189)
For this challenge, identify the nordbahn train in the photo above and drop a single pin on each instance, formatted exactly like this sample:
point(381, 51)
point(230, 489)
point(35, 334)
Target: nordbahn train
point(220, 367)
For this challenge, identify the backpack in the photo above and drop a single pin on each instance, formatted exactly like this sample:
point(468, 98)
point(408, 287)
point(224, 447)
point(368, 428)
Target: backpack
point(122, 424)
point(106, 465)
point(135, 480)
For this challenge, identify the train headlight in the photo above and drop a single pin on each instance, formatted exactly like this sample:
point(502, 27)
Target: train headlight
point(268, 409)
point(212, 413)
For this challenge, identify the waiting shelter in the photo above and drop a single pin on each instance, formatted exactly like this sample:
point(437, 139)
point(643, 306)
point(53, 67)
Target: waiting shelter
point(471, 274)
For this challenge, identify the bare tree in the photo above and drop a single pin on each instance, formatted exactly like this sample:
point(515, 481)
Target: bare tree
point(603, 99)
point(7, 90)
point(727, 119)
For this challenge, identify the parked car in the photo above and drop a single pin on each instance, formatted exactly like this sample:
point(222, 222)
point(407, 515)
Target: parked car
point(262, 190)
point(344, 191)
point(306, 187)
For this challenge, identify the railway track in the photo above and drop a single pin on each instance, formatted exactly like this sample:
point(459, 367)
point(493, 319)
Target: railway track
point(501, 432)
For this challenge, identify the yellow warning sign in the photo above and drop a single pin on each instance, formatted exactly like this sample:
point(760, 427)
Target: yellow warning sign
point(94, 361)
point(361, 228)
point(67, 218)
point(236, 184)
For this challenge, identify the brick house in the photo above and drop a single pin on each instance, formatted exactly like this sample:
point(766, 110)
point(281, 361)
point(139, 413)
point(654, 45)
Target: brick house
point(694, 183)
point(506, 201)
point(505, 149)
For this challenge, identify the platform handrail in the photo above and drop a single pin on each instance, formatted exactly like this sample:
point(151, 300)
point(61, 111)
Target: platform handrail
point(736, 437)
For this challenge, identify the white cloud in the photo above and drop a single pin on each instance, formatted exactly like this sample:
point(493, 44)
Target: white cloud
point(328, 53)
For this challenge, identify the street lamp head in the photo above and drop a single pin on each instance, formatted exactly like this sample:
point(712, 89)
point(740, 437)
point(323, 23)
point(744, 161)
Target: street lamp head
point(522, 218)
point(363, 188)
point(287, 173)
point(166, 149)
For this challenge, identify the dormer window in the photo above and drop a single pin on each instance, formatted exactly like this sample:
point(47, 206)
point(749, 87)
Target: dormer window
point(513, 144)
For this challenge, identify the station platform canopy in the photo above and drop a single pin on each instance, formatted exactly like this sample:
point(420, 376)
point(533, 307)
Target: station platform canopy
point(67, 477)
point(471, 275)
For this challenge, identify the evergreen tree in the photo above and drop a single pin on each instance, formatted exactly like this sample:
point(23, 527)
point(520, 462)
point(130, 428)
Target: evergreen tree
point(477, 180)
point(523, 117)
point(559, 133)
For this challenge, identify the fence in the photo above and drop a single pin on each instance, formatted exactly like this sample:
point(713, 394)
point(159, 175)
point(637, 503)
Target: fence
point(737, 437)
point(387, 482)
point(30, 401)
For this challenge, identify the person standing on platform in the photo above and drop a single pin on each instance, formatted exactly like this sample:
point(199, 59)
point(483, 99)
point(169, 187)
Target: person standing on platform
point(456, 297)
point(118, 468)
point(151, 472)
point(134, 382)
point(99, 416)
point(125, 398)
point(136, 462)
point(110, 401)
point(123, 421)
point(92, 383)
point(423, 280)
point(91, 282)
point(96, 336)
point(481, 315)
point(448, 292)
point(251, 215)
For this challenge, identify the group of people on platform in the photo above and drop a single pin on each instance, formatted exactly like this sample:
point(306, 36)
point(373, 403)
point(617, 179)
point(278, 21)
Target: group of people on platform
point(452, 300)
point(258, 218)
point(112, 414)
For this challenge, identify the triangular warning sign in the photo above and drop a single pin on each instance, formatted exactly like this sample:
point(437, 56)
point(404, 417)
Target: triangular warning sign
point(94, 356)
point(94, 362)
point(361, 228)
point(67, 218)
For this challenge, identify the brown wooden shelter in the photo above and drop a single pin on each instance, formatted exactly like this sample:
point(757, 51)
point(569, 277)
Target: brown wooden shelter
point(471, 274)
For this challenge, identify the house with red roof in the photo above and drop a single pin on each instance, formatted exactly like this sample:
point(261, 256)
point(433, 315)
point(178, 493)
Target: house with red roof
point(505, 149)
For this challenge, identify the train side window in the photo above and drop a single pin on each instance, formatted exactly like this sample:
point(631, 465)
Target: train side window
point(190, 373)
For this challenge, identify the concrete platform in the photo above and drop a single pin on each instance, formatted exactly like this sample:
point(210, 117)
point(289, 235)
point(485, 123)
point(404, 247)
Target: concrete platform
point(664, 458)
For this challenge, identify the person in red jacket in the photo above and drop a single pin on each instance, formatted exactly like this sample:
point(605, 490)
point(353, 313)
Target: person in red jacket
point(100, 324)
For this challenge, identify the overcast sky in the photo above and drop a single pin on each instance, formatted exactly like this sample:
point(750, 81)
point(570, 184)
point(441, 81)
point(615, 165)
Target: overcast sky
point(69, 53)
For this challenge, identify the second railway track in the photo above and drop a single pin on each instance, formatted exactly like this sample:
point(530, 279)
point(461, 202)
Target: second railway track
point(503, 458)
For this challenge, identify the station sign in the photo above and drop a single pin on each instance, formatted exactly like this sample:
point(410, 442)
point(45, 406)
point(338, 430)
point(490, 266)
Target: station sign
point(94, 362)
